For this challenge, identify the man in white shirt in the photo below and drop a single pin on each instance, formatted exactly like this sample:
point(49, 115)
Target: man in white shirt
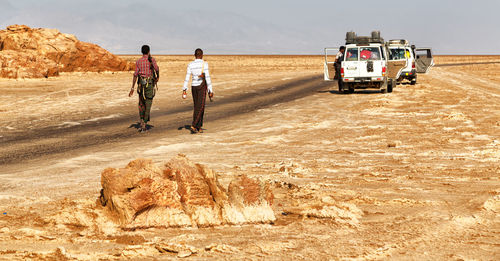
point(199, 86)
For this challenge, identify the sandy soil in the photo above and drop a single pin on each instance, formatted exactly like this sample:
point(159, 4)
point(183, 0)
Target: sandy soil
point(412, 174)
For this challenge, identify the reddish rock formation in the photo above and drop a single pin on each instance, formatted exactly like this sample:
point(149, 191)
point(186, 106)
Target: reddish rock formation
point(26, 65)
point(34, 53)
point(183, 194)
point(139, 195)
point(249, 201)
point(197, 190)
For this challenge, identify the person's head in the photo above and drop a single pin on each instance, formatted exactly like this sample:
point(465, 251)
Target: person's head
point(342, 49)
point(198, 53)
point(145, 49)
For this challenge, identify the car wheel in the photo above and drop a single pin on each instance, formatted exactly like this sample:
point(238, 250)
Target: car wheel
point(384, 85)
point(351, 88)
point(413, 81)
point(390, 85)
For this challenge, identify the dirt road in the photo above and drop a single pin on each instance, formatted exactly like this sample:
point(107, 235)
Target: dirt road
point(50, 140)
point(412, 174)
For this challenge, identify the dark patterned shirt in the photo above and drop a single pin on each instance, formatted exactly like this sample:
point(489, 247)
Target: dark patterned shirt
point(142, 67)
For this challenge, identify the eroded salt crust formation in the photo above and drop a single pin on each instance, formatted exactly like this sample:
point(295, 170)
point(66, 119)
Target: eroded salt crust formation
point(181, 194)
point(38, 52)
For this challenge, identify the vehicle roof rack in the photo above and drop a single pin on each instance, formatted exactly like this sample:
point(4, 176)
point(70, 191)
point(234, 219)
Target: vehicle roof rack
point(352, 38)
point(399, 41)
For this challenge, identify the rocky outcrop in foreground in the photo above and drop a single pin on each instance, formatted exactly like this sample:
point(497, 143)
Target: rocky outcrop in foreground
point(181, 194)
point(37, 52)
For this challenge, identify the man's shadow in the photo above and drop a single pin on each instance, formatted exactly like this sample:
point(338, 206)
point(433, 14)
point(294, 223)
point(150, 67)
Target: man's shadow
point(137, 126)
point(185, 127)
point(331, 92)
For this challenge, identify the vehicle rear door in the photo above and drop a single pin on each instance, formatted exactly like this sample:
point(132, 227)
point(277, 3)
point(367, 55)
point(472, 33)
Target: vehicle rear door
point(395, 68)
point(398, 55)
point(423, 60)
point(329, 68)
point(370, 61)
point(351, 62)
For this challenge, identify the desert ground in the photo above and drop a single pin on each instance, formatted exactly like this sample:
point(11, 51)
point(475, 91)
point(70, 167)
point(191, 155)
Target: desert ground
point(408, 175)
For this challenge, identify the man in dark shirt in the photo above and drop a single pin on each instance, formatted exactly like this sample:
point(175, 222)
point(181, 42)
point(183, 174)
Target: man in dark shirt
point(338, 61)
point(146, 75)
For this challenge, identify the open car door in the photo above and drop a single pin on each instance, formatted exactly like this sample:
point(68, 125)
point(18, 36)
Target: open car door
point(329, 68)
point(423, 60)
point(395, 64)
point(395, 67)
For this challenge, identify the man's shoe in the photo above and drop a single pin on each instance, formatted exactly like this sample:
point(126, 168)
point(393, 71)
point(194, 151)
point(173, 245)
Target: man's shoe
point(193, 130)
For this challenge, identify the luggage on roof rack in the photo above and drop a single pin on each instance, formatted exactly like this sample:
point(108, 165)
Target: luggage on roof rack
point(398, 42)
point(352, 38)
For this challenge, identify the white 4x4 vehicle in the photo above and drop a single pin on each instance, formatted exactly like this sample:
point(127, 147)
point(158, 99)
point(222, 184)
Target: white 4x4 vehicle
point(364, 65)
point(401, 50)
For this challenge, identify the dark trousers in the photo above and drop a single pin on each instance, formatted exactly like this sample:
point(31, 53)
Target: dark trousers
point(337, 71)
point(199, 99)
point(146, 94)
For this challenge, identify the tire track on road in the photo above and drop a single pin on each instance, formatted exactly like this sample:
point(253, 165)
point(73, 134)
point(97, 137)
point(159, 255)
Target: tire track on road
point(45, 142)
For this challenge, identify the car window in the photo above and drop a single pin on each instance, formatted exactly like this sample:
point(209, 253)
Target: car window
point(352, 54)
point(424, 53)
point(369, 53)
point(408, 53)
point(397, 54)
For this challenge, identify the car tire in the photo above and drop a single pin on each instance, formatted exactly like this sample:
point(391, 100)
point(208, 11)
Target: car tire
point(413, 81)
point(390, 85)
point(398, 81)
point(384, 86)
point(351, 88)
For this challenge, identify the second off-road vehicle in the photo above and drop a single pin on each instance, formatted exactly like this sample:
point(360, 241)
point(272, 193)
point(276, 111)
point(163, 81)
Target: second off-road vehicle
point(401, 49)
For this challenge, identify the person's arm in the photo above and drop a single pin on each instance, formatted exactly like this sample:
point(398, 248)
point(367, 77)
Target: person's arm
point(134, 80)
point(207, 78)
point(186, 81)
point(133, 84)
point(157, 69)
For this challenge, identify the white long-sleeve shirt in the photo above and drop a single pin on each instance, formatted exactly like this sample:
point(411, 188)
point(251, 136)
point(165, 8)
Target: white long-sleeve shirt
point(194, 69)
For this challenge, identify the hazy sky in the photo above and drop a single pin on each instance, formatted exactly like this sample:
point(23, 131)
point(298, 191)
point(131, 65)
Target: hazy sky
point(262, 26)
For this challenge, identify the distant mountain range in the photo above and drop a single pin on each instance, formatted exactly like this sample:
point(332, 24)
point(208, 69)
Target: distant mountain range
point(123, 30)
point(258, 26)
